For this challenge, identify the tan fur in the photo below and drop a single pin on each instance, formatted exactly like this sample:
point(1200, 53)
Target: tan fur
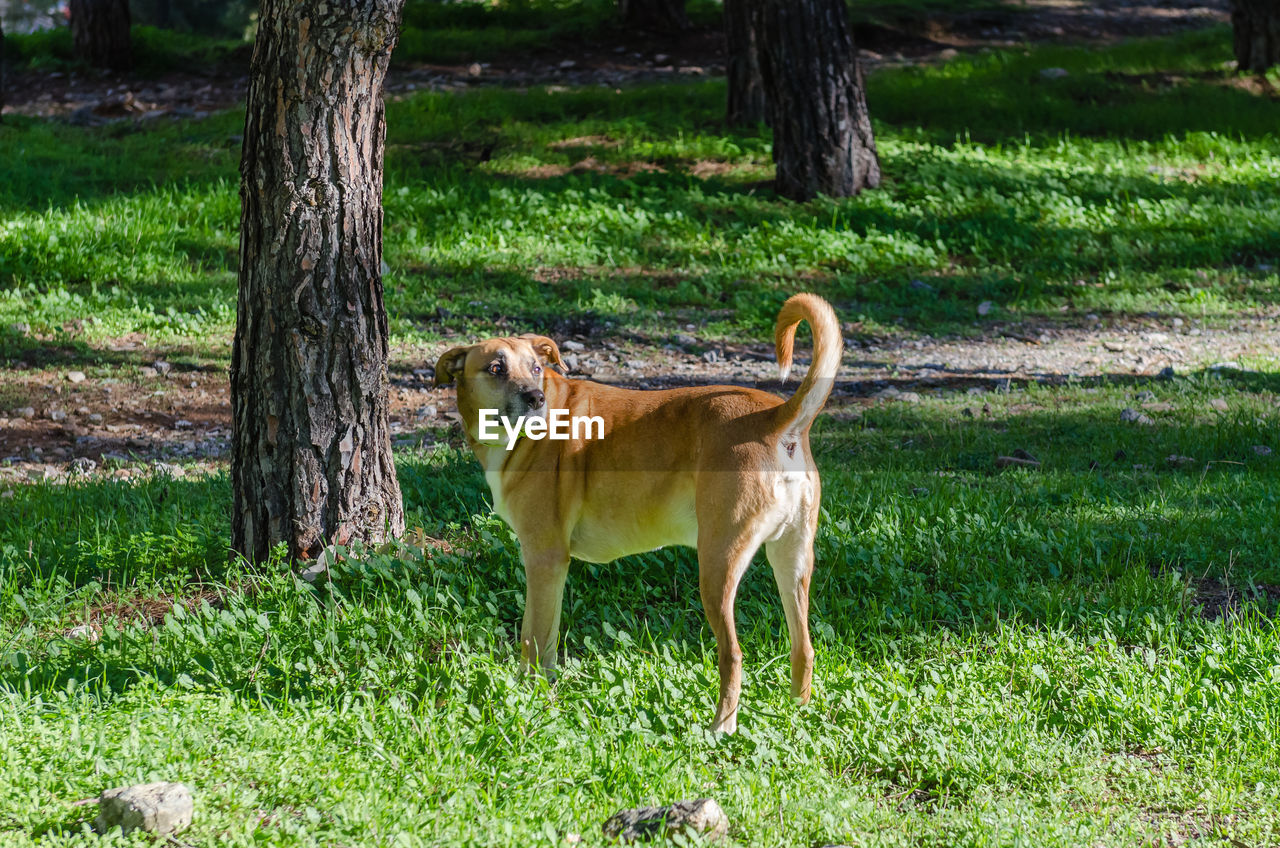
point(724, 469)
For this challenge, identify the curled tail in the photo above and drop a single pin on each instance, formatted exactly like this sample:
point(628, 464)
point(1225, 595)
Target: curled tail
point(802, 407)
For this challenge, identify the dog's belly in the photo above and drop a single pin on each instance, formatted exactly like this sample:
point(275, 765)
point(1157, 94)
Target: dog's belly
point(605, 534)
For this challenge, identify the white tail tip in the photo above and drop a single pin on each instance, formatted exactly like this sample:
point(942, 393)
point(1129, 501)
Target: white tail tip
point(784, 371)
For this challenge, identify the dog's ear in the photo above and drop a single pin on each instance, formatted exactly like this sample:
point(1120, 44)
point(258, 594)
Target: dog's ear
point(449, 365)
point(546, 348)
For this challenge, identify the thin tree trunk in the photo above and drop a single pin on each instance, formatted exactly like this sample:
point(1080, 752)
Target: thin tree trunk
point(1256, 26)
point(822, 139)
point(746, 105)
point(311, 457)
point(100, 33)
point(657, 15)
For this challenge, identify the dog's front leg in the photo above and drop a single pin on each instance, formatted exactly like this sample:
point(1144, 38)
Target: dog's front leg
point(545, 572)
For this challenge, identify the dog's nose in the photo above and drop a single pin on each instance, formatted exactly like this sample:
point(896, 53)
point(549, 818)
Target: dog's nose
point(534, 398)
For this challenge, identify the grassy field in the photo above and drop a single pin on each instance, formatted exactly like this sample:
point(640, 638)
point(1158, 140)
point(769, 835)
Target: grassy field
point(1005, 658)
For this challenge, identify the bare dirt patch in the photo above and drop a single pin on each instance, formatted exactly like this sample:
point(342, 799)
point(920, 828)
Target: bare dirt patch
point(129, 419)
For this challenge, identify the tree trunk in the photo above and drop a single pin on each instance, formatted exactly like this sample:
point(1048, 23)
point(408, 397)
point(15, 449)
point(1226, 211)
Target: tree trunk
point(1256, 24)
point(100, 33)
point(746, 88)
point(657, 15)
point(822, 140)
point(311, 457)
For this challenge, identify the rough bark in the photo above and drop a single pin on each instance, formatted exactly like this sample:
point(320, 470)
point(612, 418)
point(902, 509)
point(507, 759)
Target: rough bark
point(311, 457)
point(1256, 26)
point(100, 33)
point(746, 105)
point(822, 139)
point(656, 15)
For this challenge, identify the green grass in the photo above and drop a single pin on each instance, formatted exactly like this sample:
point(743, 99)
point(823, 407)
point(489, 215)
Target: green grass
point(1010, 657)
point(1001, 186)
point(1003, 658)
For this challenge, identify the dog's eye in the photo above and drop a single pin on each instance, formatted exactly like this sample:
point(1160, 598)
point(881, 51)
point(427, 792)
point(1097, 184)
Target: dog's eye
point(537, 369)
point(497, 368)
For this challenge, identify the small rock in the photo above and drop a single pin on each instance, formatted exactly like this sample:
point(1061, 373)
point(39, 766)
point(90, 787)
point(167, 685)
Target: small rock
point(76, 376)
point(158, 808)
point(948, 54)
point(1219, 404)
point(57, 415)
point(161, 366)
point(474, 69)
point(84, 631)
point(1145, 397)
point(909, 397)
point(1167, 373)
point(1133, 415)
point(712, 356)
point(636, 363)
point(572, 345)
point(1262, 450)
point(985, 307)
point(27, 412)
point(83, 465)
point(425, 412)
point(317, 570)
point(567, 64)
point(166, 469)
point(570, 362)
point(148, 371)
point(1054, 73)
point(95, 418)
point(660, 58)
point(82, 410)
point(685, 340)
point(703, 816)
point(1114, 347)
point(183, 424)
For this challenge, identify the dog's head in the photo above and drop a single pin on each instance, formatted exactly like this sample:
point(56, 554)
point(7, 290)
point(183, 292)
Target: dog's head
point(505, 374)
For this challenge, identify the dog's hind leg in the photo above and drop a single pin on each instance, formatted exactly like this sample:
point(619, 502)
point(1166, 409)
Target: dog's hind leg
point(722, 560)
point(791, 557)
point(545, 573)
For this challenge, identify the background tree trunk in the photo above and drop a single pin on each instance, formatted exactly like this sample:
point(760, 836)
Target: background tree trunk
point(311, 443)
point(1256, 25)
point(1, 70)
point(100, 33)
point(658, 15)
point(746, 88)
point(822, 139)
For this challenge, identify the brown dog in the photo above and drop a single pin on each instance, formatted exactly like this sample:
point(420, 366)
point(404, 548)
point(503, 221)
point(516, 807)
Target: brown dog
point(720, 468)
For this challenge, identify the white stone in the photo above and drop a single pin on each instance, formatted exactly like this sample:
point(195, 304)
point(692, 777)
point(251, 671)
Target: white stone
point(158, 808)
